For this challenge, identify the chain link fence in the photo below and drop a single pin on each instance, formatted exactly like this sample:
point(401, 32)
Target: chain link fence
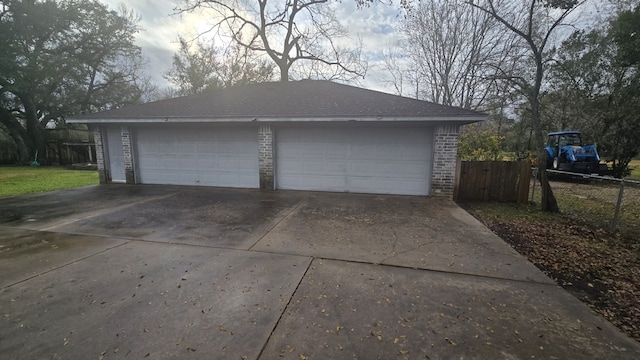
point(610, 203)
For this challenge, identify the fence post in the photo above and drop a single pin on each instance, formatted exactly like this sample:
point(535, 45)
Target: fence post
point(524, 176)
point(535, 177)
point(456, 185)
point(614, 223)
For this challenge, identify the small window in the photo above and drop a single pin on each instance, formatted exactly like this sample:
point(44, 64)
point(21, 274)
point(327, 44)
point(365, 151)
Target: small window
point(563, 141)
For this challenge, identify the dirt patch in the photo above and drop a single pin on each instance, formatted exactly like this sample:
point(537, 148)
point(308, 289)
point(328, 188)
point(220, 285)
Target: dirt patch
point(599, 268)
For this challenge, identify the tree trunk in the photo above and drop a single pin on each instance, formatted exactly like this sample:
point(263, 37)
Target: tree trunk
point(18, 134)
point(34, 129)
point(284, 71)
point(548, 202)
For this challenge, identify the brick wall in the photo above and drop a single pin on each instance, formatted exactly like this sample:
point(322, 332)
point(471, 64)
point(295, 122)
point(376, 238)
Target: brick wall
point(127, 149)
point(444, 160)
point(266, 156)
point(102, 168)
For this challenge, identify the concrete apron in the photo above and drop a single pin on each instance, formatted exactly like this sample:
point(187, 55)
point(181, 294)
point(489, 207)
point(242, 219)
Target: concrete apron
point(174, 272)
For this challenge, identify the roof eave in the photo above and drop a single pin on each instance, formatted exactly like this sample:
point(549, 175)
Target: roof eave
point(182, 120)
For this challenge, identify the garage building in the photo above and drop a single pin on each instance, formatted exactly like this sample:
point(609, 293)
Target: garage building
point(298, 135)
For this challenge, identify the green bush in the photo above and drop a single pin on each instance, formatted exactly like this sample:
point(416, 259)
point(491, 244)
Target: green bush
point(479, 145)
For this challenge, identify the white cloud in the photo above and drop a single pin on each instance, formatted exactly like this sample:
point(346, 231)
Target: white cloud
point(160, 29)
point(375, 25)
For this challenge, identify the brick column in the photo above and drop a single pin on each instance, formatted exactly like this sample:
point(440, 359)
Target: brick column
point(266, 154)
point(102, 168)
point(444, 160)
point(128, 155)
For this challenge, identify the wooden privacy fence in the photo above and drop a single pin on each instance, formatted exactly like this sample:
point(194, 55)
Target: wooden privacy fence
point(493, 180)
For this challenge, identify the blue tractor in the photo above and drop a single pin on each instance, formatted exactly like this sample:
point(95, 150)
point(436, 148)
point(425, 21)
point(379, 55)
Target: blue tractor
point(565, 152)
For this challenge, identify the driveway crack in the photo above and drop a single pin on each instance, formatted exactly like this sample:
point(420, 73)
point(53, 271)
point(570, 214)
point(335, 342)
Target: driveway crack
point(293, 210)
point(284, 310)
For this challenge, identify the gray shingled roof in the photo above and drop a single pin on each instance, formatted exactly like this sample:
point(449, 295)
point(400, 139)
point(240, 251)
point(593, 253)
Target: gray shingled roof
point(306, 99)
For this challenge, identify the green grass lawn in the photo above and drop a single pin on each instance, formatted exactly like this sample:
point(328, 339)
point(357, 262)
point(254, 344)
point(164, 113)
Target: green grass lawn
point(594, 203)
point(26, 179)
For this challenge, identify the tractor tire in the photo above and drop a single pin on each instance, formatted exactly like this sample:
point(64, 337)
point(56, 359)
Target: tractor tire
point(556, 163)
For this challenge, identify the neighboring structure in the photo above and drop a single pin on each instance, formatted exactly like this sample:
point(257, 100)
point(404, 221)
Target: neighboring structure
point(70, 146)
point(63, 147)
point(302, 135)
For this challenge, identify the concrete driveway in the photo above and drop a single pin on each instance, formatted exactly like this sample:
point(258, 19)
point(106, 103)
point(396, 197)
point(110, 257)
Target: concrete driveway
point(111, 272)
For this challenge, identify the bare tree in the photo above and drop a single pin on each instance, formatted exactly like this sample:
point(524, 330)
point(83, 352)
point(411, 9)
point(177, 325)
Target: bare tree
point(391, 64)
point(290, 32)
point(450, 46)
point(535, 22)
point(241, 66)
point(404, 71)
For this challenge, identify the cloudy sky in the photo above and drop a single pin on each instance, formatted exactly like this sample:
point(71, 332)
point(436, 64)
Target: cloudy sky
point(374, 25)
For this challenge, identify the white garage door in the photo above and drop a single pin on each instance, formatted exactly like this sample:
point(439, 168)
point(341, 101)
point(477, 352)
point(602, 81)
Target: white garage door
point(381, 160)
point(198, 155)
